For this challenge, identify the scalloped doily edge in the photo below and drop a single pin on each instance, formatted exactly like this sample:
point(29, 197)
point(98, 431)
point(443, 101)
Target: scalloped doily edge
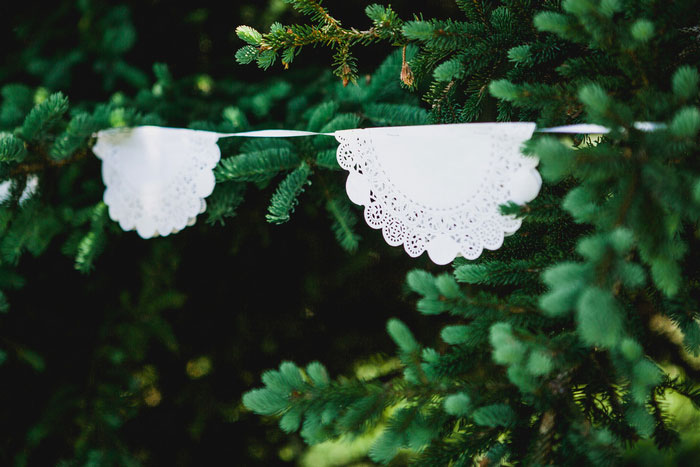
point(187, 218)
point(442, 249)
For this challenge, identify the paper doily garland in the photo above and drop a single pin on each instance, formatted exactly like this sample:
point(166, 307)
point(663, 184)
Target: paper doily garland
point(434, 188)
point(156, 178)
point(438, 188)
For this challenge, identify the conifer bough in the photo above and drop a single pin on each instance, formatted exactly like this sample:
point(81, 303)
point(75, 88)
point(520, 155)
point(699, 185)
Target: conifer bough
point(552, 355)
point(567, 345)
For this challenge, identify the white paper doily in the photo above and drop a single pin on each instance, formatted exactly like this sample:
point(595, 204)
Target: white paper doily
point(156, 178)
point(437, 188)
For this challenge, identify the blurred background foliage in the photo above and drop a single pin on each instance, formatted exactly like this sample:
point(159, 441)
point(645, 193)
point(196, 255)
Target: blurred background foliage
point(144, 360)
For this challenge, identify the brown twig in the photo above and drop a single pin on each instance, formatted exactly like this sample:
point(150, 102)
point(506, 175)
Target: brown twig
point(46, 163)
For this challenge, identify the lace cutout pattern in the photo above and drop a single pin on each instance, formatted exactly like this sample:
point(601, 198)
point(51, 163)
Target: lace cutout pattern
point(463, 221)
point(156, 178)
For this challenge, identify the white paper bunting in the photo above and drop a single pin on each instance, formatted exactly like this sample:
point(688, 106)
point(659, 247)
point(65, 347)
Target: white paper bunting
point(156, 178)
point(434, 188)
point(438, 188)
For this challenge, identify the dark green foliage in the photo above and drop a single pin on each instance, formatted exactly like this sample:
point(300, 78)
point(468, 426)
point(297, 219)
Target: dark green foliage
point(87, 396)
point(12, 149)
point(285, 197)
point(47, 139)
point(79, 130)
point(223, 203)
point(396, 114)
point(558, 348)
point(552, 356)
point(305, 159)
point(459, 58)
point(44, 117)
point(259, 161)
point(344, 220)
point(92, 244)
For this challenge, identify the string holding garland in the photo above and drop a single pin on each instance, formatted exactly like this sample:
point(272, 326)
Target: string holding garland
point(429, 188)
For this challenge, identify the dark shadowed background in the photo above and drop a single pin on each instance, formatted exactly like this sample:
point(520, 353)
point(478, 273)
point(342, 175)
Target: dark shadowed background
point(146, 358)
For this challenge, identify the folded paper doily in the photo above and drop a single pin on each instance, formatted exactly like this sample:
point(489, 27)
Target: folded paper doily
point(437, 188)
point(434, 188)
point(156, 178)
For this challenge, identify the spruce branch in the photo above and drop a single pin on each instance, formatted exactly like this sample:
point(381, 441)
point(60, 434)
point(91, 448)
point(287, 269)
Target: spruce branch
point(44, 117)
point(328, 31)
point(93, 243)
point(285, 197)
point(260, 161)
point(344, 221)
point(46, 162)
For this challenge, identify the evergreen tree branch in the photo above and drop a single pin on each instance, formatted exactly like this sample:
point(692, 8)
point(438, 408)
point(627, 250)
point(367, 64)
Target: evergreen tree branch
point(46, 163)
